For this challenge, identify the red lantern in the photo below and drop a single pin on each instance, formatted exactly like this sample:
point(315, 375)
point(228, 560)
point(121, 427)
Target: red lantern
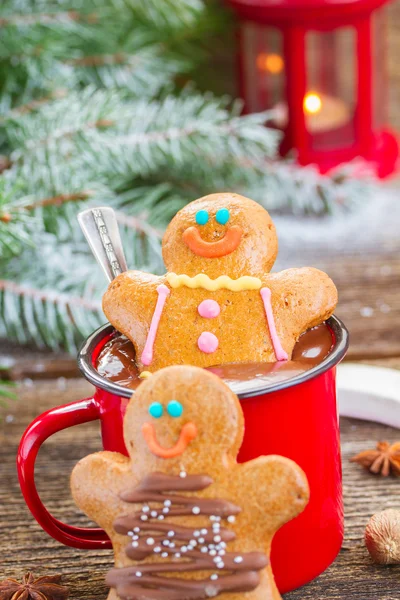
point(320, 64)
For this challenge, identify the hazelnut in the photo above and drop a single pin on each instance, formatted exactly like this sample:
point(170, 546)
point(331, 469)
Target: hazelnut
point(382, 537)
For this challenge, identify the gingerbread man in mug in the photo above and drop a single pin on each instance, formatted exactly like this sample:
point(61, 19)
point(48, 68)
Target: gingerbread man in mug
point(185, 520)
point(218, 302)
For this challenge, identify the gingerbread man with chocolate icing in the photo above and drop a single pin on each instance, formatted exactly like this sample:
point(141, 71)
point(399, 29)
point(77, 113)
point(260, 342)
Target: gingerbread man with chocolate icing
point(186, 521)
point(218, 302)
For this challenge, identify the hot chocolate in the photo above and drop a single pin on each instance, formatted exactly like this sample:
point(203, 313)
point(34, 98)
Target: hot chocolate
point(116, 362)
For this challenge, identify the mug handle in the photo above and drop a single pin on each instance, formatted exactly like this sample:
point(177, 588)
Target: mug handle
point(38, 431)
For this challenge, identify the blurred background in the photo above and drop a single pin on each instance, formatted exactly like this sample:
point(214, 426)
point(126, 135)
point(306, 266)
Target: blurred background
point(145, 105)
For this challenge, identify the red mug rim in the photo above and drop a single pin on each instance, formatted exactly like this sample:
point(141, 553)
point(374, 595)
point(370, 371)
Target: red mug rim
point(105, 332)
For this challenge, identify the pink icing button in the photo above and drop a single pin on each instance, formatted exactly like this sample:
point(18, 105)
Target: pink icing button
point(207, 342)
point(209, 309)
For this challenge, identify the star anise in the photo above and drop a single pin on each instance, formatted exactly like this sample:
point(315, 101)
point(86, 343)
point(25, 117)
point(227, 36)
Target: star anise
point(42, 588)
point(385, 460)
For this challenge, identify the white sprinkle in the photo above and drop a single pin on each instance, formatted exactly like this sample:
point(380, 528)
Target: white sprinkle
point(213, 552)
point(213, 518)
point(136, 529)
point(385, 308)
point(177, 555)
point(166, 543)
point(154, 513)
point(220, 565)
point(231, 519)
point(217, 538)
point(135, 544)
point(138, 574)
point(130, 533)
point(238, 559)
point(216, 526)
point(201, 540)
point(221, 553)
point(135, 537)
point(160, 517)
point(182, 474)
point(157, 549)
point(214, 577)
point(164, 554)
point(222, 545)
point(150, 541)
point(171, 533)
point(203, 531)
point(143, 517)
point(196, 533)
point(366, 311)
point(184, 549)
point(204, 549)
point(217, 559)
point(211, 591)
point(211, 546)
point(196, 510)
point(145, 509)
point(165, 510)
point(167, 502)
point(171, 545)
point(193, 543)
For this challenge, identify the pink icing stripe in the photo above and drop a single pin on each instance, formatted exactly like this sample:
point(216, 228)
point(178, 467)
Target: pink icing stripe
point(279, 351)
point(147, 354)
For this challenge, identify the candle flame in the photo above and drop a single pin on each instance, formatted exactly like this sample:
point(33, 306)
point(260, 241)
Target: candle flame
point(273, 63)
point(312, 103)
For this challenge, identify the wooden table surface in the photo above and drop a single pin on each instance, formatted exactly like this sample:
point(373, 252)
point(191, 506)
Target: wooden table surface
point(369, 304)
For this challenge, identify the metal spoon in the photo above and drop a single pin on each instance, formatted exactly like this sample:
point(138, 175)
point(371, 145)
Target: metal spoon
point(101, 231)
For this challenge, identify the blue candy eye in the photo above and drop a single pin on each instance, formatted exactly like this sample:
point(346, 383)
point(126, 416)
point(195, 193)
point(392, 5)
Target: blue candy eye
point(222, 216)
point(156, 410)
point(201, 217)
point(175, 408)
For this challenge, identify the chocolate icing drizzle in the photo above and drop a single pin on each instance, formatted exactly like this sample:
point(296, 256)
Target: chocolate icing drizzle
point(180, 548)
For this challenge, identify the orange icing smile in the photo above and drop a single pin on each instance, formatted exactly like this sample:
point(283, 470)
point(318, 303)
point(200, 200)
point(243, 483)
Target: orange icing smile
point(188, 433)
point(229, 243)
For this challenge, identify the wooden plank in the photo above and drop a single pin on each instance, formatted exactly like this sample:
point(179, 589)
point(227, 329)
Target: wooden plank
point(24, 546)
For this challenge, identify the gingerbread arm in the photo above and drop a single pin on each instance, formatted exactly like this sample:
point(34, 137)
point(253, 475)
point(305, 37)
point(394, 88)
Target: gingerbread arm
point(96, 483)
point(133, 303)
point(277, 487)
point(302, 298)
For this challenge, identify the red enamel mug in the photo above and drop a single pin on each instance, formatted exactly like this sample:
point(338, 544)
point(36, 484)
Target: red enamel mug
point(296, 418)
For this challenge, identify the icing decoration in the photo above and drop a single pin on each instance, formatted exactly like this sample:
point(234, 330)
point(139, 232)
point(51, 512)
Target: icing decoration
point(231, 240)
point(201, 280)
point(237, 572)
point(222, 216)
point(207, 342)
point(188, 433)
point(174, 408)
point(201, 217)
point(209, 309)
point(156, 410)
point(147, 354)
point(145, 374)
point(276, 343)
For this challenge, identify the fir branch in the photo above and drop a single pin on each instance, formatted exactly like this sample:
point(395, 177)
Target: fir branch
point(6, 389)
point(41, 19)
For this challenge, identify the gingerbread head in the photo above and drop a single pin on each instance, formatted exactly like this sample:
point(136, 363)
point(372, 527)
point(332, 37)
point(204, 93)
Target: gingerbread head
point(221, 234)
point(186, 521)
point(218, 303)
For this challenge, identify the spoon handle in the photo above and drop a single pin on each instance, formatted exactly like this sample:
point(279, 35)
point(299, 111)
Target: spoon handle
point(101, 231)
